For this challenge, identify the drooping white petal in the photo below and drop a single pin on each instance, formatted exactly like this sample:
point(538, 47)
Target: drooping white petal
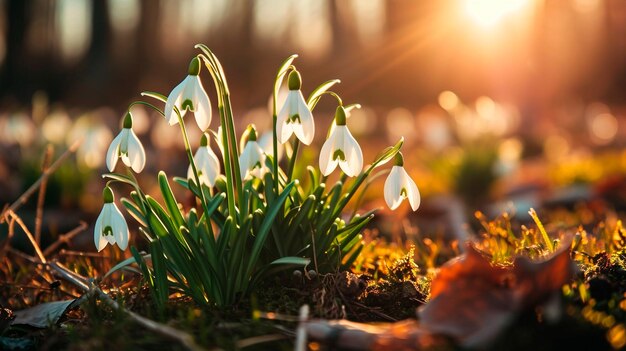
point(413, 193)
point(99, 239)
point(119, 226)
point(399, 186)
point(113, 153)
point(266, 143)
point(393, 188)
point(202, 105)
point(174, 99)
point(208, 166)
point(286, 129)
point(251, 159)
point(136, 153)
point(107, 222)
point(353, 163)
point(305, 130)
point(303, 126)
point(283, 127)
point(327, 163)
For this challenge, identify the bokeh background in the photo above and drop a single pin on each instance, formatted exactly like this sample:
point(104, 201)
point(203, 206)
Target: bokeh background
point(504, 105)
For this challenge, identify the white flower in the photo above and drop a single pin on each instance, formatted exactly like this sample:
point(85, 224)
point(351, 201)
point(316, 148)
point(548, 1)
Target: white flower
point(341, 149)
point(295, 117)
point(190, 95)
point(252, 159)
point(127, 146)
point(266, 143)
point(111, 227)
point(207, 164)
point(400, 186)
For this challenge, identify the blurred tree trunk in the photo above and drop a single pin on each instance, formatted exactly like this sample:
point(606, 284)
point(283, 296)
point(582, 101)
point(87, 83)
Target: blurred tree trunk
point(17, 15)
point(93, 77)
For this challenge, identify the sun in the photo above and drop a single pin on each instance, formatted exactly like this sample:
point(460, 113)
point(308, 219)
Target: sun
point(488, 13)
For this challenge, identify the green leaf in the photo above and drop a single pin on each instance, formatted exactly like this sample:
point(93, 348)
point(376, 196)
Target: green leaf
point(317, 92)
point(351, 107)
point(154, 95)
point(121, 178)
point(124, 264)
point(291, 260)
point(156, 225)
point(387, 155)
point(348, 261)
point(161, 286)
point(134, 211)
point(265, 227)
point(170, 200)
point(280, 75)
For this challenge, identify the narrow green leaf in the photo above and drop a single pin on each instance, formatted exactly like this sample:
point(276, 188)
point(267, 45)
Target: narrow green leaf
point(170, 201)
point(124, 264)
point(317, 92)
point(265, 227)
point(291, 260)
point(160, 274)
point(134, 211)
point(280, 75)
point(154, 95)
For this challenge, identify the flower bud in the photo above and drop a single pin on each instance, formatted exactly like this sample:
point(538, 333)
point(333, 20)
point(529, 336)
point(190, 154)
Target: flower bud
point(107, 194)
point(398, 159)
point(340, 116)
point(194, 66)
point(295, 81)
point(128, 121)
point(204, 141)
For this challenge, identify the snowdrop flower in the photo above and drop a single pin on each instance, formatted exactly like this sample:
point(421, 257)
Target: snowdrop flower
point(190, 95)
point(400, 186)
point(127, 146)
point(341, 149)
point(266, 143)
point(207, 164)
point(111, 227)
point(252, 159)
point(295, 116)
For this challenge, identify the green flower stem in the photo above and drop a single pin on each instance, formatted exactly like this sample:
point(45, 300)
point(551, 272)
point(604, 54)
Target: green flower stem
point(359, 199)
point(233, 143)
point(231, 154)
point(280, 75)
point(230, 194)
point(183, 131)
point(292, 160)
point(146, 104)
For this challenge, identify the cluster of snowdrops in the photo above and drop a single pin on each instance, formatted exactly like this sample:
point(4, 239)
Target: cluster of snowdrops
point(252, 218)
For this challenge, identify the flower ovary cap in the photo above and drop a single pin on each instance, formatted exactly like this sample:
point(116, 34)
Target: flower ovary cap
point(340, 116)
point(252, 133)
point(204, 141)
point(194, 66)
point(107, 195)
point(398, 159)
point(294, 80)
point(128, 121)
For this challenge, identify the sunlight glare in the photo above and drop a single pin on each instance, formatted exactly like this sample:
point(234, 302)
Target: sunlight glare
point(487, 13)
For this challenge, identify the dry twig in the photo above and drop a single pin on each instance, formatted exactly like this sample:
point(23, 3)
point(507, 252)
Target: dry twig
point(44, 176)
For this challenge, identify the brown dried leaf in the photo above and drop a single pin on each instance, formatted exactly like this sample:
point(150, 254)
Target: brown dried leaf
point(473, 301)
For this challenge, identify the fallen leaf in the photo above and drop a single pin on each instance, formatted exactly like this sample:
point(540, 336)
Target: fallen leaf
point(43, 315)
point(473, 301)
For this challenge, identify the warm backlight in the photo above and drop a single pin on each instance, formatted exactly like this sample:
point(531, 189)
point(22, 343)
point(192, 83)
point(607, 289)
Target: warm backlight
point(487, 13)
